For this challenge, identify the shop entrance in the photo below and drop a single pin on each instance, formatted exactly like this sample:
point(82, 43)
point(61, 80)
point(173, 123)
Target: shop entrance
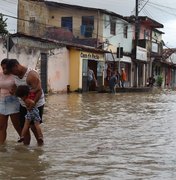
point(92, 64)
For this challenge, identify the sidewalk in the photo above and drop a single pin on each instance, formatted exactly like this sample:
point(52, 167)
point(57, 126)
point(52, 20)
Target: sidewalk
point(126, 89)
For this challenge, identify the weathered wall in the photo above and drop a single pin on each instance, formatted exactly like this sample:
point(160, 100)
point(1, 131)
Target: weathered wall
point(29, 55)
point(58, 70)
point(47, 16)
point(35, 17)
point(114, 40)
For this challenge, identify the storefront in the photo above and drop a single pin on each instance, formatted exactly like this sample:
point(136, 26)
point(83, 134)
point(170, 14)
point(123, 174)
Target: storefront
point(116, 64)
point(140, 68)
point(79, 63)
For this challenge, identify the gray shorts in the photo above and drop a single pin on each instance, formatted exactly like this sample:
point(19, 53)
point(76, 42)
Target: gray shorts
point(9, 105)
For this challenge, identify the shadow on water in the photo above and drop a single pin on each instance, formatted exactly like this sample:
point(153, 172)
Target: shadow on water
point(99, 136)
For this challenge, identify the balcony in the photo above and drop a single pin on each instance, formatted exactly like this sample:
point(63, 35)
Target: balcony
point(154, 49)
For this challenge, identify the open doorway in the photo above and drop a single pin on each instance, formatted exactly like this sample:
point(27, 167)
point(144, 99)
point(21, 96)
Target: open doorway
point(93, 66)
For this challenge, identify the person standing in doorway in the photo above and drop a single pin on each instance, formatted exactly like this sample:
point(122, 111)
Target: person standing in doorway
point(113, 82)
point(29, 77)
point(9, 104)
point(108, 72)
point(123, 77)
point(91, 80)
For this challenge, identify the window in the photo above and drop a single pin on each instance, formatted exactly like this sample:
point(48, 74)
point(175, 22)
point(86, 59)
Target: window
point(66, 22)
point(125, 31)
point(146, 34)
point(113, 26)
point(88, 20)
point(87, 26)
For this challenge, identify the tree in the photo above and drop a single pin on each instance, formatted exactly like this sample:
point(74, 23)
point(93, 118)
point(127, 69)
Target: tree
point(3, 25)
point(159, 81)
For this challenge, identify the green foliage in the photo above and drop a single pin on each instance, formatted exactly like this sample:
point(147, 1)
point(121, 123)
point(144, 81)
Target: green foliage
point(159, 80)
point(3, 25)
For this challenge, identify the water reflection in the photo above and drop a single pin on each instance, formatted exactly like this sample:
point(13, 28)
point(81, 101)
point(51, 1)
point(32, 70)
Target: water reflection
point(100, 136)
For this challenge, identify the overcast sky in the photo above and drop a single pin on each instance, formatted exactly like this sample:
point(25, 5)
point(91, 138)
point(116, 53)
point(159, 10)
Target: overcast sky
point(163, 11)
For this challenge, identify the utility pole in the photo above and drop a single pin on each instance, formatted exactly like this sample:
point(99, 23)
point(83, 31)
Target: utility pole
point(136, 40)
point(136, 24)
point(7, 41)
point(119, 58)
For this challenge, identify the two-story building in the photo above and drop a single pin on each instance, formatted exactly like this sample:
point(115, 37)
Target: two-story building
point(94, 27)
point(146, 48)
point(97, 28)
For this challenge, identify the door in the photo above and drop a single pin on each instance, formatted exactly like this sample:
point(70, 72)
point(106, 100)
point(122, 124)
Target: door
point(92, 64)
point(44, 71)
point(84, 75)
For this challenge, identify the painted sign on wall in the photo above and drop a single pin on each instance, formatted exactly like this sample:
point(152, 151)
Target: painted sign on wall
point(91, 56)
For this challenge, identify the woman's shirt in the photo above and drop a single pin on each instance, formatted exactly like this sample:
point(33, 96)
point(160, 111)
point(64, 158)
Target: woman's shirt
point(6, 83)
point(23, 81)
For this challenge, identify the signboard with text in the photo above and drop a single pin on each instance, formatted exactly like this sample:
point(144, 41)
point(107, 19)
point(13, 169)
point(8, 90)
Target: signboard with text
point(91, 56)
point(141, 53)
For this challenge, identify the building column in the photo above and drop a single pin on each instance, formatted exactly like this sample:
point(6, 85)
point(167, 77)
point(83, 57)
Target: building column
point(144, 75)
point(137, 76)
point(132, 74)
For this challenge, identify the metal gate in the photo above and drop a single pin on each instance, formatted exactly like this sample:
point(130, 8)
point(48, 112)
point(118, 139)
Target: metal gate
point(44, 71)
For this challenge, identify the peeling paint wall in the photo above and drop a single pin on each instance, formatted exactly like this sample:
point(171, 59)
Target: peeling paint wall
point(27, 55)
point(47, 16)
point(35, 15)
point(58, 70)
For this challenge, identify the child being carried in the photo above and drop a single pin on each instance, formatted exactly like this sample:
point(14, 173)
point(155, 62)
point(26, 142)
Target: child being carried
point(24, 93)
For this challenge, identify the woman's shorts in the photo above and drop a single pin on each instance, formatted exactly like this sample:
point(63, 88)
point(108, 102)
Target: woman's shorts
point(9, 105)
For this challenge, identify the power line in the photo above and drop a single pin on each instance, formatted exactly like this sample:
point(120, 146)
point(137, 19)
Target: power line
point(46, 25)
point(143, 6)
point(167, 7)
point(160, 9)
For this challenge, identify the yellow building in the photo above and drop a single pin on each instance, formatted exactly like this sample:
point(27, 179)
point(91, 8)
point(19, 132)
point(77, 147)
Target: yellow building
point(80, 60)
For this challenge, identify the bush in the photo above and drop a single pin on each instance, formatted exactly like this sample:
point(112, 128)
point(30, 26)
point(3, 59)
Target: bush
point(159, 80)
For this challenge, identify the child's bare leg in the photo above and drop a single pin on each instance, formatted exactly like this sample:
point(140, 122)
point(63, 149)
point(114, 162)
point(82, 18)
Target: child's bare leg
point(24, 130)
point(39, 133)
point(38, 128)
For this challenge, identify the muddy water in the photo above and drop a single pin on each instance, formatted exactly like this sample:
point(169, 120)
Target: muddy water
point(99, 137)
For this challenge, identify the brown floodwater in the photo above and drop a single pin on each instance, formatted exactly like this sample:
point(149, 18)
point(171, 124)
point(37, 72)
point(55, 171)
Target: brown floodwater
point(95, 136)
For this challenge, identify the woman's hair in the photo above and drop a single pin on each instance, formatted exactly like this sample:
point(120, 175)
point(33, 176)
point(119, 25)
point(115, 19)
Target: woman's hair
point(4, 61)
point(22, 90)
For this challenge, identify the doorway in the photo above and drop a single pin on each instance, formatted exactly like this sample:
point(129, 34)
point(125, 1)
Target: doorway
point(92, 64)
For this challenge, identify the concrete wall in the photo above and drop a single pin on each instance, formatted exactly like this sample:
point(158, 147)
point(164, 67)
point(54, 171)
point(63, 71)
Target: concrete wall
point(29, 55)
point(114, 40)
point(36, 16)
point(58, 70)
point(46, 16)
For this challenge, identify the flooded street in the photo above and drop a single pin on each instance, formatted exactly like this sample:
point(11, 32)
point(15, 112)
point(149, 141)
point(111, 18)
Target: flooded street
point(99, 137)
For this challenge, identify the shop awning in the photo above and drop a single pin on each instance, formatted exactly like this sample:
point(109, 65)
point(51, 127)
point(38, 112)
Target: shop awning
point(112, 57)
